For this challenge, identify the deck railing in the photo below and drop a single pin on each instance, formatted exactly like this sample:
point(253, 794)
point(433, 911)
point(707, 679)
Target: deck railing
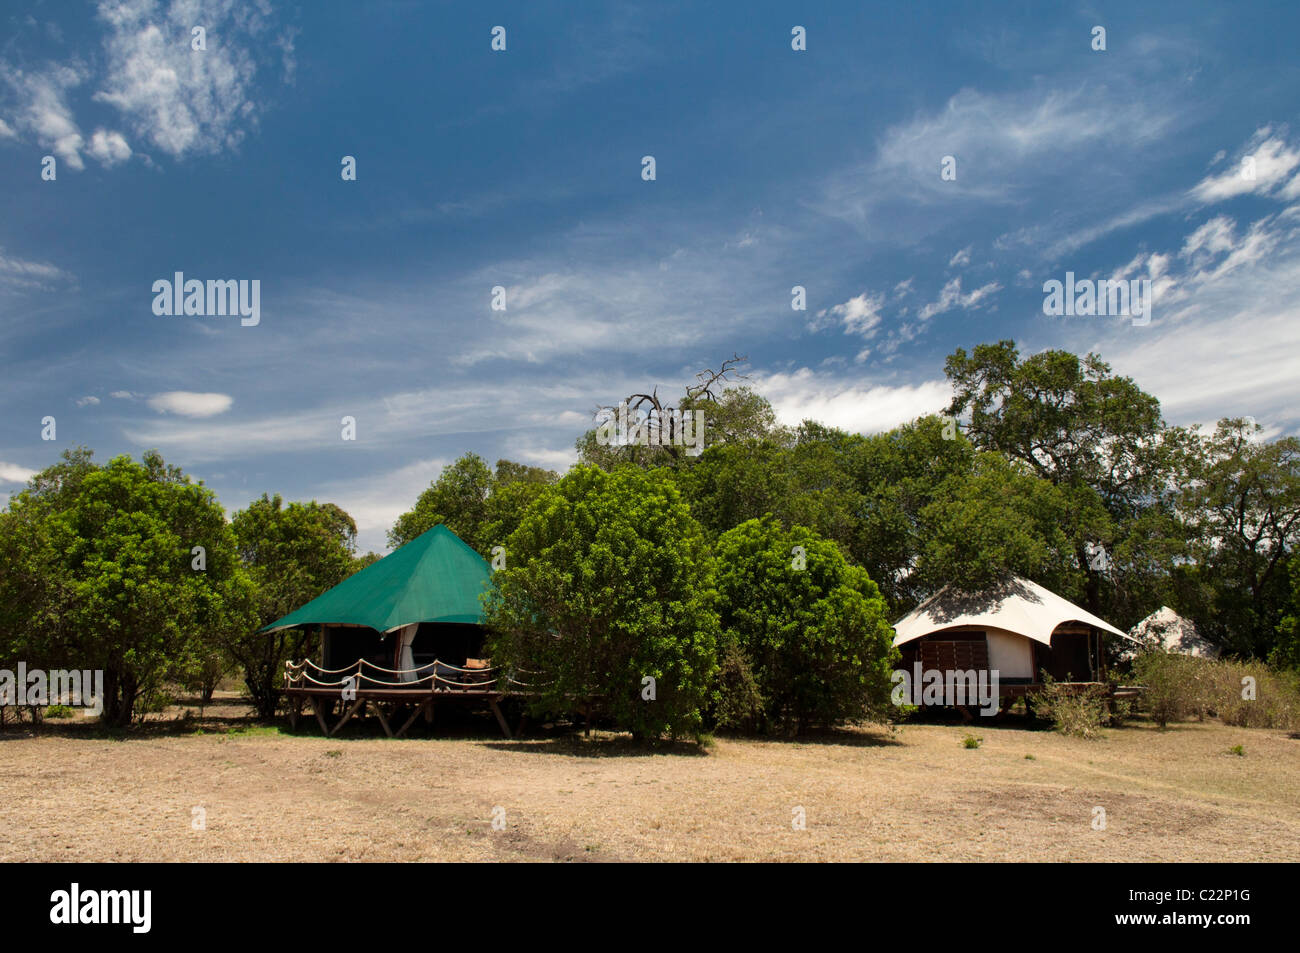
point(433, 676)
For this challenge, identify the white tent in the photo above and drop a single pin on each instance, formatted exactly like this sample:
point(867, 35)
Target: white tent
point(1015, 605)
point(1165, 629)
point(1008, 618)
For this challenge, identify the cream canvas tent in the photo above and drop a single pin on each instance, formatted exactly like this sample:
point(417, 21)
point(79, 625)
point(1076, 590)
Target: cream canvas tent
point(1166, 630)
point(1015, 627)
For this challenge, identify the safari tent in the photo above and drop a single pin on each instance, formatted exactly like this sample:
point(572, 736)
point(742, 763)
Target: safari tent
point(400, 633)
point(1167, 631)
point(1015, 627)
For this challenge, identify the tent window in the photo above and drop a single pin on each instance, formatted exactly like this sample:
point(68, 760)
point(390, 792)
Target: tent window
point(960, 651)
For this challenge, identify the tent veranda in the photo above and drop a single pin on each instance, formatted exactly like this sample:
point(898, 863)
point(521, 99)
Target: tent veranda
point(428, 592)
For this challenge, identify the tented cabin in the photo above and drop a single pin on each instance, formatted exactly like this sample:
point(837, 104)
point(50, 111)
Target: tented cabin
point(1166, 631)
point(1015, 628)
point(402, 632)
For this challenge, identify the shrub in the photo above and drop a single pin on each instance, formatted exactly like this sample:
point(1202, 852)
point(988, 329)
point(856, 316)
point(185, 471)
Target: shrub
point(1073, 710)
point(1173, 687)
point(609, 583)
point(970, 741)
point(739, 705)
point(813, 628)
point(1181, 686)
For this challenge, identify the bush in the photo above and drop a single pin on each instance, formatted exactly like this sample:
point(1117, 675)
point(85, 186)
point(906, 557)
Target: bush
point(813, 628)
point(1073, 710)
point(1174, 687)
point(739, 705)
point(609, 583)
point(1182, 686)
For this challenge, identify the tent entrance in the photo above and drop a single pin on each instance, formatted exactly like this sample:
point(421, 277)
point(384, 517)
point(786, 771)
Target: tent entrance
point(1075, 655)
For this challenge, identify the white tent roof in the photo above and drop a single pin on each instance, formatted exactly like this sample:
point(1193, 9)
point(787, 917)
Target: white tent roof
point(1016, 605)
point(1166, 629)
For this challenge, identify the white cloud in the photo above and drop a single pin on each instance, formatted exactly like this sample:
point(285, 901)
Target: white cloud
point(190, 404)
point(847, 402)
point(109, 148)
point(122, 394)
point(1224, 338)
point(951, 297)
point(376, 500)
point(21, 274)
point(961, 258)
point(1275, 169)
point(179, 99)
point(1004, 144)
point(859, 315)
point(87, 401)
point(13, 473)
point(44, 112)
point(6, 131)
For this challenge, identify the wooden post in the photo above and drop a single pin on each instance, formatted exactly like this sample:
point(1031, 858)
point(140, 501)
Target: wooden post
point(424, 709)
point(356, 705)
point(379, 710)
point(501, 719)
point(320, 715)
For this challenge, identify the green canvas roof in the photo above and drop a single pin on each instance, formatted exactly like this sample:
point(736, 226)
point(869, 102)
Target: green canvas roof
point(436, 577)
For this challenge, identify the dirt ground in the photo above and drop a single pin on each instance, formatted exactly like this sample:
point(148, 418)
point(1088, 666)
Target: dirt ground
point(916, 794)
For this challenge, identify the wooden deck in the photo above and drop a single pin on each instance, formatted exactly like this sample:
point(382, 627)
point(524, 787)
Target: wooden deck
point(340, 695)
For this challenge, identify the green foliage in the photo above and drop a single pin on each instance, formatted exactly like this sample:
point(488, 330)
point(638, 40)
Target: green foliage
point(812, 627)
point(1002, 518)
point(739, 705)
point(609, 582)
point(1244, 497)
point(1099, 438)
point(480, 507)
point(971, 742)
point(738, 415)
point(98, 574)
point(1075, 710)
point(1182, 686)
point(292, 553)
point(1173, 688)
point(895, 476)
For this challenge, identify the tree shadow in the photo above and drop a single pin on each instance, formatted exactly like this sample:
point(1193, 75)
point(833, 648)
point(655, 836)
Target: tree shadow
point(848, 737)
point(599, 745)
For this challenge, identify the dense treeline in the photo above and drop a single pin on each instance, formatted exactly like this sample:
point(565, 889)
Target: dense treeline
point(747, 586)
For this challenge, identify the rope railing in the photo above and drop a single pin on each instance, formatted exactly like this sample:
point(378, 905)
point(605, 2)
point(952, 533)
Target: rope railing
point(303, 673)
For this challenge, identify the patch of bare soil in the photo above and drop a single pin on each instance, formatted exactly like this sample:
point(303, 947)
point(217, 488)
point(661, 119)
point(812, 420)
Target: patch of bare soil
point(866, 795)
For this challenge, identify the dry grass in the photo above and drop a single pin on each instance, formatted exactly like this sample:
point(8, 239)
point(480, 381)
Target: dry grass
point(918, 794)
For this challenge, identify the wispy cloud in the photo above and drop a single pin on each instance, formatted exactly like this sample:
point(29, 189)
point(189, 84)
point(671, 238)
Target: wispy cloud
point(190, 404)
point(179, 99)
point(951, 297)
point(13, 473)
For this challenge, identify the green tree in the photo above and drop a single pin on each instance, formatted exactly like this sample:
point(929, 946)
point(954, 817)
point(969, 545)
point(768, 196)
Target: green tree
point(812, 628)
point(1001, 518)
point(114, 577)
point(608, 582)
point(897, 474)
point(480, 507)
point(457, 499)
point(292, 554)
point(1077, 425)
point(1243, 501)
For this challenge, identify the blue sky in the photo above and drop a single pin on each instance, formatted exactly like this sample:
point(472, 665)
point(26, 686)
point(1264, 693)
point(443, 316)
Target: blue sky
point(522, 169)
